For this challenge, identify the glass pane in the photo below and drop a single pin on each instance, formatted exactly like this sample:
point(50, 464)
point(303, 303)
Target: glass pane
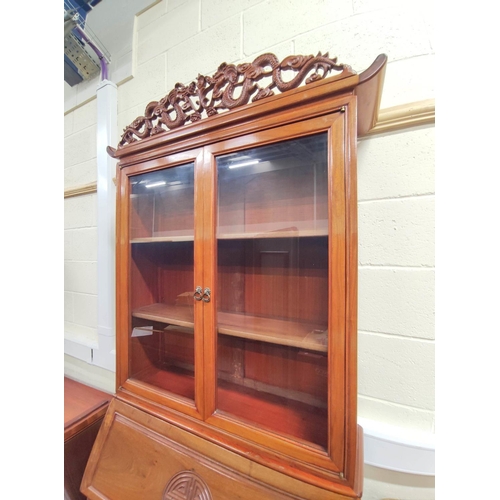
point(272, 258)
point(162, 279)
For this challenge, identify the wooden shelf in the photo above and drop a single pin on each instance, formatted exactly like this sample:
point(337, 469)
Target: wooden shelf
point(302, 233)
point(310, 336)
point(173, 379)
point(164, 313)
point(162, 239)
point(304, 335)
point(276, 413)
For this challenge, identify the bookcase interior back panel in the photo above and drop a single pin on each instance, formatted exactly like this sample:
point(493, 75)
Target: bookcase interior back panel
point(278, 187)
point(162, 203)
point(280, 277)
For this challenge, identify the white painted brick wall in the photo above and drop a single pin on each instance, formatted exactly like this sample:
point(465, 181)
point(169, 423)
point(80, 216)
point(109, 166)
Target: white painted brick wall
point(273, 21)
point(396, 165)
point(148, 84)
point(151, 14)
point(80, 277)
point(397, 232)
point(80, 173)
point(396, 275)
point(80, 260)
point(85, 116)
point(80, 146)
point(215, 11)
point(395, 414)
point(80, 212)
point(398, 370)
point(68, 124)
point(400, 33)
point(167, 31)
point(408, 80)
point(367, 5)
point(397, 301)
point(174, 4)
point(204, 52)
point(80, 244)
point(85, 309)
point(280, 50)
point(69, 307)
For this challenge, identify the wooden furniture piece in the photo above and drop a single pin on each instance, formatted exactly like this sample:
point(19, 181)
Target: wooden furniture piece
point(237, 288)
point(84, 410)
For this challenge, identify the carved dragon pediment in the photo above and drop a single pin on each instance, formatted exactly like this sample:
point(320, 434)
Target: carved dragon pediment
point(231, 86)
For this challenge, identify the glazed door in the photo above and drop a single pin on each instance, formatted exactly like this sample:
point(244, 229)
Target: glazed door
point(278, 304)
point(165, 327)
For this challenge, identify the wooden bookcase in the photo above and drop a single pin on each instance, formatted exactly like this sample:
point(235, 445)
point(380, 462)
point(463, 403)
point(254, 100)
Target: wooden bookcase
point(237, 288)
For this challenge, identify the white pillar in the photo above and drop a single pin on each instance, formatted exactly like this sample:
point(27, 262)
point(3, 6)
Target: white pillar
point(105, 355)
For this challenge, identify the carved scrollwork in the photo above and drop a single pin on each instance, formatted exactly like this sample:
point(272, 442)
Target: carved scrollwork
point(230, 87)
point(187, 485)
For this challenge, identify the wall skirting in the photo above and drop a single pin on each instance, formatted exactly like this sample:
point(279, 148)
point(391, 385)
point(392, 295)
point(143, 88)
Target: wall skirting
point(398, 449)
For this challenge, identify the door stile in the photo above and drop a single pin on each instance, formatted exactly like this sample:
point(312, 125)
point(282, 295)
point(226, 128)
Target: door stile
point(337, 309)
point(351, 294)
point(199, 251)
point(122, 281)
point(208, 185)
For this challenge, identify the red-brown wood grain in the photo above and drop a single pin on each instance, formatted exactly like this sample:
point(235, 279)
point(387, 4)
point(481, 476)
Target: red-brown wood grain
point(84, 409)
point(82, 406)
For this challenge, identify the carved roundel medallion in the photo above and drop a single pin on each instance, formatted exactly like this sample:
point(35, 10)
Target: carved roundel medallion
point(187, 485)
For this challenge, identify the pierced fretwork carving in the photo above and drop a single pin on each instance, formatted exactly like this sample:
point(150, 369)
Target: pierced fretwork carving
point(231, 86)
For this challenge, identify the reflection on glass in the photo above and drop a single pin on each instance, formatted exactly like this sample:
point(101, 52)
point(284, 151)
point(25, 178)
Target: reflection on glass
point(272, 258)
point(162, 204)
point(162, 279)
